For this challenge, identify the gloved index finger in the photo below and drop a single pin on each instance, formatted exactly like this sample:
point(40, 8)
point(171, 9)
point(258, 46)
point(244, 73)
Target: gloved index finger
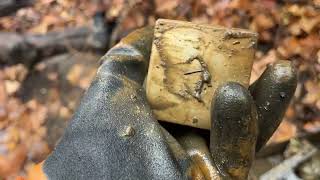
point(140, 39)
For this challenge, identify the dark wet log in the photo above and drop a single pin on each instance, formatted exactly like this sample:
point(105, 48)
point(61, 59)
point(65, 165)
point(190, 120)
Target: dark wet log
point(31, 48)
point(8, 7)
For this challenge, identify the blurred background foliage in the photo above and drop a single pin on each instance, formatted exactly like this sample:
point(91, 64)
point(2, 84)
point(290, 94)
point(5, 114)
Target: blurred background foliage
point(38, 98)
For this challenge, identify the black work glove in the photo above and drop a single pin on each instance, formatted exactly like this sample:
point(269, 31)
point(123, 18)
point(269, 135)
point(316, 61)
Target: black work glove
point(113, 134)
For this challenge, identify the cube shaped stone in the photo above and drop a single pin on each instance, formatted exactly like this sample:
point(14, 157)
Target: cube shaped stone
point(188, 62)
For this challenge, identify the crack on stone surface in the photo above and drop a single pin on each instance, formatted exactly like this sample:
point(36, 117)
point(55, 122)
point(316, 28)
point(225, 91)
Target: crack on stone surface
point(205, 77)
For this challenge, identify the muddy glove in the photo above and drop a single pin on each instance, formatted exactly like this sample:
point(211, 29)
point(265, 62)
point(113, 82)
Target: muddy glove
point(113, 134)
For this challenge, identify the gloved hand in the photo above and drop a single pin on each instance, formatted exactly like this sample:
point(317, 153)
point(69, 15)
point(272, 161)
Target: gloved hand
point(113, 134)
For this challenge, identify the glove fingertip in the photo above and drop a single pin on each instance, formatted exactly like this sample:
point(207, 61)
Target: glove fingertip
point(233, 130)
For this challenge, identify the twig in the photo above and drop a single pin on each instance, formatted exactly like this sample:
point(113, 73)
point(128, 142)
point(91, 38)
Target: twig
point(285, 170)
point(30, 48)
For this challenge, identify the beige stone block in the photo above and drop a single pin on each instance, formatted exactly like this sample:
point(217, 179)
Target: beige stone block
point(188, 62)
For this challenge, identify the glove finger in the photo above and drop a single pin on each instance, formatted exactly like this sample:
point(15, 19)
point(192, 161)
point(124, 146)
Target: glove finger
point(130, 57)
point(191, 168)
point(272, 93)
point(233, 130)
point(196, 147)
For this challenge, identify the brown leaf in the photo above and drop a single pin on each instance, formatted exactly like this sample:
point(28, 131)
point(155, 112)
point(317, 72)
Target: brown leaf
point(285, 131)
point(11, 163)
point(35, 172)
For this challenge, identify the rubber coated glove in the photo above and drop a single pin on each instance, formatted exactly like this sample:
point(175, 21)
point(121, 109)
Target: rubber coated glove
point(113, 134)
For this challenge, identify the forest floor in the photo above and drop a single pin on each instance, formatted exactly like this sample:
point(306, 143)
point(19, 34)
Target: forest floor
point(33, 96)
